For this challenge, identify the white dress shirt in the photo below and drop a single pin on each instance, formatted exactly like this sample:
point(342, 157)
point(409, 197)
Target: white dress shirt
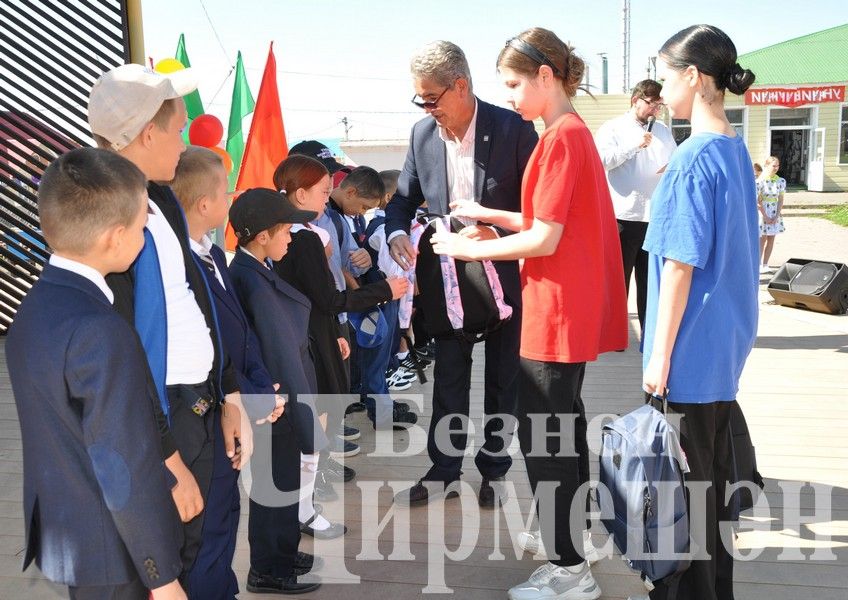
point(203, 249)
point(190, 351)
point(459, 156)
point(90, 273)
point(631, 170)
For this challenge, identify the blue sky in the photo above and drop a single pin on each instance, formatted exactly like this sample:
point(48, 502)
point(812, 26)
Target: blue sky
point(338, 59)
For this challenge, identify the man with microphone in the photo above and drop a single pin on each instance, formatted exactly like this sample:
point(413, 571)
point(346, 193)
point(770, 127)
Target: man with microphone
point(635, 149)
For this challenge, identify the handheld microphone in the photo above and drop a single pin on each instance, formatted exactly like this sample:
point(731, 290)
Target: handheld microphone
point(651, 120)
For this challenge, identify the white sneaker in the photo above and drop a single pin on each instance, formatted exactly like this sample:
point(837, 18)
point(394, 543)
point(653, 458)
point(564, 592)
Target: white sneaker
point(531, 541)
point(765, 269)
point(550, 582)
point(398, 383)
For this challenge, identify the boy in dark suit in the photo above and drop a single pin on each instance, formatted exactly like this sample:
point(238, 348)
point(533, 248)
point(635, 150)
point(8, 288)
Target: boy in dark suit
point(200, 185)
point(98, 509)
point(279, 314)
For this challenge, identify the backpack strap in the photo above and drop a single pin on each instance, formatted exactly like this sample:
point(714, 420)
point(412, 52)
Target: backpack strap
point(504, 309)
point(450, 281)
point(338, 222)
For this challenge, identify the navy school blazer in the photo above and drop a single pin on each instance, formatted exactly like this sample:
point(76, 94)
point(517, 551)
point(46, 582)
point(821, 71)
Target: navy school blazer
point(279, 315)
point(503, 143)
point(239, 341)
point(97, 501)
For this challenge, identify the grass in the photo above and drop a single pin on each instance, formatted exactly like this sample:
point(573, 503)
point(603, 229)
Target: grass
point(838, 215)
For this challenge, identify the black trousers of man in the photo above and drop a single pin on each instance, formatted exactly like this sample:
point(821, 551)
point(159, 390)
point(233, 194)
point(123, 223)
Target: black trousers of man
point(451, 396)
point(632, 236)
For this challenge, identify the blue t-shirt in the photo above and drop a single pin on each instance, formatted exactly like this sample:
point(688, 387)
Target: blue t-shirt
point(704, 213)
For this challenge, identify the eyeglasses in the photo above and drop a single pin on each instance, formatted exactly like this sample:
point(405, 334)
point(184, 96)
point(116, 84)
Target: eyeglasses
point(653, 103)
point(429, 104)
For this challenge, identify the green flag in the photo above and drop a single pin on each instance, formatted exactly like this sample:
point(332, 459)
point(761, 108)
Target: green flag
point(242, 106)
point(194, 105)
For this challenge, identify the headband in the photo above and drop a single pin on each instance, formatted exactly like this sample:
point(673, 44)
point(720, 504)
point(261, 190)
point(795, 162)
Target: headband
point(531, 52)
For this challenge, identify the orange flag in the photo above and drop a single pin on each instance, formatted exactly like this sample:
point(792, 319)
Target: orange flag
point(266, 143)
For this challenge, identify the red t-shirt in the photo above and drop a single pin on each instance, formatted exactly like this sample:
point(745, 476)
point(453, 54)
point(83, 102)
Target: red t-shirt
point(574, 301)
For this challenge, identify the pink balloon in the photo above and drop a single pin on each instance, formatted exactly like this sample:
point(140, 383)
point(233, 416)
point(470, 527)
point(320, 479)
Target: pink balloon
point(206, 131)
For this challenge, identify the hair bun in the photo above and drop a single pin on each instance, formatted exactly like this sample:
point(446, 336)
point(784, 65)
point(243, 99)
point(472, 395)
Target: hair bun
point(737, 79)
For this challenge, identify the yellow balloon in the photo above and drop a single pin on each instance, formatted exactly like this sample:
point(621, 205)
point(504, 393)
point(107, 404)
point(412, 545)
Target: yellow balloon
point(168, 65)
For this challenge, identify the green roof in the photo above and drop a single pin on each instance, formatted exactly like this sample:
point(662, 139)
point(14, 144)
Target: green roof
point(820, 57)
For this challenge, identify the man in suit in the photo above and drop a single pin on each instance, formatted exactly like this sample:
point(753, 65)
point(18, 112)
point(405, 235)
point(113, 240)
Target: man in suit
point(98, 511)
point(465, 149)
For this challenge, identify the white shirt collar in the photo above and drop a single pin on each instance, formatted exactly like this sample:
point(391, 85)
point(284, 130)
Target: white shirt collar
point(468, 138)
point(204, 246)
point(93, 275)
point(262, 262)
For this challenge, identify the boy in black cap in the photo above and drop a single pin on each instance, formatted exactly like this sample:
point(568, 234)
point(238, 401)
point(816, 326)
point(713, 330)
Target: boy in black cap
point(279, 314)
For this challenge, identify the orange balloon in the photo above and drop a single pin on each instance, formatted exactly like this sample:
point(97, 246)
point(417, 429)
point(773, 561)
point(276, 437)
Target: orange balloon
point(228, 162)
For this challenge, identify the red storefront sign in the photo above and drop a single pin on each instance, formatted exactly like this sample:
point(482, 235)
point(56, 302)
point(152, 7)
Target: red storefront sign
point(792, 97)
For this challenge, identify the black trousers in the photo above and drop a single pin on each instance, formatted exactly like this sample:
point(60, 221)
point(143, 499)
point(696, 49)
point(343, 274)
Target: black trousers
point(632, 236)
point(134, 590)
point(705, 437)
point(548, 388)
point(274, 531)
point(194, 438)
point(451, 396)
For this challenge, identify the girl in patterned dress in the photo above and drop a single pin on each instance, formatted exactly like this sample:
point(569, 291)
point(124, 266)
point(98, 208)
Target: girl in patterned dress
point(770, 189)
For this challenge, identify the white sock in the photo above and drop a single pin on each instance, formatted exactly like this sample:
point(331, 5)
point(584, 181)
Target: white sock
point(305, 509)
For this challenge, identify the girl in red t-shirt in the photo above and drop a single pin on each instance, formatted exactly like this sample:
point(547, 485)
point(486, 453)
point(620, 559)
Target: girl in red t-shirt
point(572, 291)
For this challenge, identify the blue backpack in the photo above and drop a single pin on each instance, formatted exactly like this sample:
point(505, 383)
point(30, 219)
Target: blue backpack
point(639, 451)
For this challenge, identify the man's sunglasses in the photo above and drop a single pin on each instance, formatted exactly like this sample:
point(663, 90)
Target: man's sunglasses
point(429, 104)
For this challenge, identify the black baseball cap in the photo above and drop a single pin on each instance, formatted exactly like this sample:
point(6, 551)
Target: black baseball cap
point(259, 209)
point(317, 150)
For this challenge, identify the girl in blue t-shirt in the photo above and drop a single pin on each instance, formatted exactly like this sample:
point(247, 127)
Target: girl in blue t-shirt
point(702, 301)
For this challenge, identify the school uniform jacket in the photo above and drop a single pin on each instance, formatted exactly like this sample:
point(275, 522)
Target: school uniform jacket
point(279, 315)
point(97, 502)
point(239, 341)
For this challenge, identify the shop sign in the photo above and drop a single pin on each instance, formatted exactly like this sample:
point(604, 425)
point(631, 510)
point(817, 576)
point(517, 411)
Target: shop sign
point(793, 97)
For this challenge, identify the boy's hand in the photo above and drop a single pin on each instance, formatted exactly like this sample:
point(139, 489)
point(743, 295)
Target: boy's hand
point(344, 348)
point(279, 408)
point(360, 258)
point(235, 426)
point(398, 285)
point(169, 591)
point(186, 493)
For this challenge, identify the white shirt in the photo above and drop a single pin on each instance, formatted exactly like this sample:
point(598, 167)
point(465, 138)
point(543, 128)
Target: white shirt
point(377, 241)
point(190, 350)
point(631, 170)
point(264, 263)
point(460, 163)
point(93, 275)
point(203, 249)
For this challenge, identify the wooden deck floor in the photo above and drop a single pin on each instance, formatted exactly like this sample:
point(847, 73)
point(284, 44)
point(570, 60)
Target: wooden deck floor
point(795, 396)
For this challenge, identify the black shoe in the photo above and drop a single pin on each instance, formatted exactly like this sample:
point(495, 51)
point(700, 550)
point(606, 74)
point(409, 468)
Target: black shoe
point(400, 407)
point(400, 418)
point(487, 492)
point(349, 433)
point(335, 471)
point(356, 407)
point(267, 584)
point(344, 448)
point(419, 494)
point(305, 562)
point(333, 531)
point(324, 490)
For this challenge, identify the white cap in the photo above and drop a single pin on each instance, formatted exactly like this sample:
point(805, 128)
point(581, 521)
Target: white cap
point(127, 98)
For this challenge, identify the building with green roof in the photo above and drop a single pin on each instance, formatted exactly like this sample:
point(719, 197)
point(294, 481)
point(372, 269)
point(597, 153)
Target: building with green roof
point(797, 110)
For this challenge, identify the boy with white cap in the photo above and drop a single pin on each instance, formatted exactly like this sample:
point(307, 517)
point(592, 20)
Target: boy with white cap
point(140, 114)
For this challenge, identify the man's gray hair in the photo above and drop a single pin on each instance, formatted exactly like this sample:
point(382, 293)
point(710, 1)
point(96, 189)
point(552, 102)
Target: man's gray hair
point(443, 62)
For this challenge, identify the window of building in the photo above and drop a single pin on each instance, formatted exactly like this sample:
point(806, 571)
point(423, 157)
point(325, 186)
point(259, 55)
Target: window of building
point(681, 129)
point(843, 135)
point(787, 117)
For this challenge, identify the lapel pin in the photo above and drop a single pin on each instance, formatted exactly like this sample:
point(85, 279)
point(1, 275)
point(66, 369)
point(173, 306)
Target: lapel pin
point(485, 138)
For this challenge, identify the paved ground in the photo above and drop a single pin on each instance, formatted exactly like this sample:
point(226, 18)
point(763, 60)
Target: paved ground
point(794, 394)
